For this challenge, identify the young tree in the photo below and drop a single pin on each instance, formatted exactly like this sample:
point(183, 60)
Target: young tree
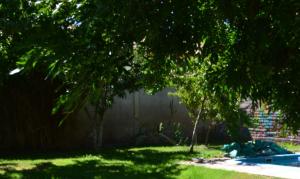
point(204, 103)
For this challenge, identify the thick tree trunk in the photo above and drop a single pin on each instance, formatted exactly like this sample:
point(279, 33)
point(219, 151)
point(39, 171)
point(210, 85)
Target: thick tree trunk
point(98, 119)
point(99, 133)
point(100, 139)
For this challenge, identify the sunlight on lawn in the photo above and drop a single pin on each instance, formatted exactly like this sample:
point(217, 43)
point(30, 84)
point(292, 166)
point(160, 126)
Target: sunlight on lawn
point(144, 162)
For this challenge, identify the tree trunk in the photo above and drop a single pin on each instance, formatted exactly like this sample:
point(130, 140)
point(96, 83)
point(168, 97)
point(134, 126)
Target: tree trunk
point(194, 135)
point(99, 133)
point(98, 119)
point(207, 134)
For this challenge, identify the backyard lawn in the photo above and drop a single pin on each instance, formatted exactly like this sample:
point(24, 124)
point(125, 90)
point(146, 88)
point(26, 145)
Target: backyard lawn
point(145, 162)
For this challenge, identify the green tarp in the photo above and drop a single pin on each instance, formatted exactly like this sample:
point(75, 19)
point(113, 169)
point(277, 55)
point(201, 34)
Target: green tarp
point(254, 149)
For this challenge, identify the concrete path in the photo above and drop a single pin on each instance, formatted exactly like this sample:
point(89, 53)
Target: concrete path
point(258, 169)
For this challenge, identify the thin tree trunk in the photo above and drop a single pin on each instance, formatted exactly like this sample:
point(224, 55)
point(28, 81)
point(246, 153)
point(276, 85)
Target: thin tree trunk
point(207, 134)
point(194, 137)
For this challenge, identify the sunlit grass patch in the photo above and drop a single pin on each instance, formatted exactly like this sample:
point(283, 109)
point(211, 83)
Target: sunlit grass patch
point(140, 163)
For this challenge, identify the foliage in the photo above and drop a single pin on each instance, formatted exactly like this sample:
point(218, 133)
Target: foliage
point(173, 130)
point(94, 44)
point(102, 48)
point(265, 54)
point(218, 104)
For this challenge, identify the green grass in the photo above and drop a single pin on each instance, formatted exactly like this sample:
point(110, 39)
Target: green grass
point(291, 147)
point(141, 163)
point(205, 173)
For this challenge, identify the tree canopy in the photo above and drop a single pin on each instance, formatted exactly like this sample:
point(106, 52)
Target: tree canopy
point(252, 45)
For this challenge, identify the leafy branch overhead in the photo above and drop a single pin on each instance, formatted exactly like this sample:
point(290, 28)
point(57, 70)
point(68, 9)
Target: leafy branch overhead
point(245, 49)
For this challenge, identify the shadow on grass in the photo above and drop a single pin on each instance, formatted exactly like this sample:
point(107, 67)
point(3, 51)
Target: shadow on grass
point(147, 156)
point(116, 164)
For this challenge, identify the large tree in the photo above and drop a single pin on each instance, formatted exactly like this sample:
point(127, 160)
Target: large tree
point(265, 55)
point(101, 48)
point(71, 42)
point(97, 49)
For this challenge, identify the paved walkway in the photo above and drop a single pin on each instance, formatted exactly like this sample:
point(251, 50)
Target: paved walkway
point(258, 169)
